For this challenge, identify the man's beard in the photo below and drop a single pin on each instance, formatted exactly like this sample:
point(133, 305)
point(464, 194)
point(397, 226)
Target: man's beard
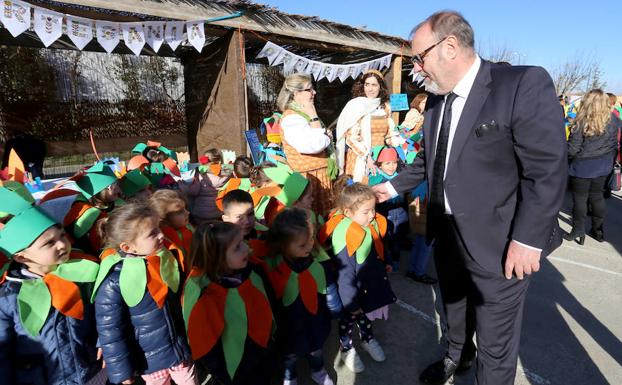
point(431, 86)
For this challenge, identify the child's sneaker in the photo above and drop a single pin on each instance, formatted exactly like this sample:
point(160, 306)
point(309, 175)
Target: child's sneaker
point(290, 382)
point(375, 350)
point(321, 377)
point(352, 361)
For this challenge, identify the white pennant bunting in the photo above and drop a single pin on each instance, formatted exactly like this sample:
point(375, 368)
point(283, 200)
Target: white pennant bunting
point(294, 63)
point(314, 68)
point(79, 30)
point(386, 61)
point(330, 72)
point(342, 72)
point(48, 25)
point(196, 34)
point(133, 36)
point(268, 50)
point(107, 34)
point(15, 16)
point(174, 33)
point(290, 62)
point(154, 34)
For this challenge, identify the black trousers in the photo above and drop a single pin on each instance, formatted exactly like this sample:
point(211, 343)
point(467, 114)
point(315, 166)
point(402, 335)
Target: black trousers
point(586, 190)
point(481, 302)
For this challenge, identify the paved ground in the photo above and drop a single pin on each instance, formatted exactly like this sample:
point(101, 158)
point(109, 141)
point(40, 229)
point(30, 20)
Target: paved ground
point(572, 329)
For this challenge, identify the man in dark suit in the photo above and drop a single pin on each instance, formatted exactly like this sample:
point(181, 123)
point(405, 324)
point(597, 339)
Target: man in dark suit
point(495, 161)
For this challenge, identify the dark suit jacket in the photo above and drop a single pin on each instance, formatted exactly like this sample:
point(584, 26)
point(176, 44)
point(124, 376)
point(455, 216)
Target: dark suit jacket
point(505, 183)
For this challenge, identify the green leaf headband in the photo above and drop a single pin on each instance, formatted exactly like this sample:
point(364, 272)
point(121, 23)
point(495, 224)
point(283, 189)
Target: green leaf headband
point(141, 147)
point(95, 179)
point(293, 183)
point(27, 224)
point(133, 182)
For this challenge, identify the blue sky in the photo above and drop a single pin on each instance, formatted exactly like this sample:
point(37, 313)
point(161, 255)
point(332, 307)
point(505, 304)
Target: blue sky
point(546, 33)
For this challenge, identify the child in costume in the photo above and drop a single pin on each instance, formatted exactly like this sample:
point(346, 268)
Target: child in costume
point(420, 252)
point(137, 302)
point(157, 162)
point(238, 209)
point(135, 185)
point(386, 159)
point(98, 192)
point(300, 274)
point(226, 307)
point(47, 324)
point(171, 209)
point(208, 178)
point(240, 180)
point(356, 232)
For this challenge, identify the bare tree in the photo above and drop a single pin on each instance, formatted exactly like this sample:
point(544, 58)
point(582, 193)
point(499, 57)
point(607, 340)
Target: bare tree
point(500, 53)
point(578, 73)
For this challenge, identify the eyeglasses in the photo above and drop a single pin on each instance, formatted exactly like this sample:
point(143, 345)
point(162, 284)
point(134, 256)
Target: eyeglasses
point(311, 89)
point(418, 58)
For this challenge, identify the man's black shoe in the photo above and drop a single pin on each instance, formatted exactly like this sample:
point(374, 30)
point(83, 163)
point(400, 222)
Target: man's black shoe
point(423, 278)
point(463, 366)
point(439, 373)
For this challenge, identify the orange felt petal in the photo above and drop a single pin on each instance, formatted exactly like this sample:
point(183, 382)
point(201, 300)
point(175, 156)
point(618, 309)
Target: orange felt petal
point(354, 237)
point(215, 169)
point(279, 277)
point(207, 321)
point(382, 224)
point(270, 191)
point(156, 286)
point(308, 291)
point(76, 211)
point(273, 208)
point(153, 143)
point(259, 248)
point(377, 243)
point(137, 162)
point(327, 229)
point(66, 296)
point(17, 170)
point(106, 253)
point(233, 184)
point(171, 165)
point(258, 313)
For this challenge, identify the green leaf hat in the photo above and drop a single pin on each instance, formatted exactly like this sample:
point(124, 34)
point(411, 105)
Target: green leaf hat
point(133, 182)
point(95, 179)
point(27, 224)
point(293, 183)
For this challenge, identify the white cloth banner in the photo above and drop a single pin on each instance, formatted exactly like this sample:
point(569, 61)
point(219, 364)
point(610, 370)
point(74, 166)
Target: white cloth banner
point(330, 72)
point(154, 34)
point(342, 72)
point(107, 34)
point(15, 16)
point(174, 33)
point(133, 36)
point(79, 30)
point(268, 50)
point(48, 25)
point(289, 64)
point(196, 34)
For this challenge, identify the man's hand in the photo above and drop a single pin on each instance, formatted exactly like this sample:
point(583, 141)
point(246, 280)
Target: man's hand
point(521, 260)
point(381, 191)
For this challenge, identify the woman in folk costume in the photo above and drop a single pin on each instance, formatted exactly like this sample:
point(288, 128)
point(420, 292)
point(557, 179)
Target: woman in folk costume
point(47, 324)
point(305, 140)
point(363, 124)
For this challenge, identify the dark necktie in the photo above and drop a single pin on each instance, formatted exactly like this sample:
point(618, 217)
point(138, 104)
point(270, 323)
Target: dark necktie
point(437, 195)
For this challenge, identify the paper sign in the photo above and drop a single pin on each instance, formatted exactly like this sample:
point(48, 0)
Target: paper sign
point(399, 102)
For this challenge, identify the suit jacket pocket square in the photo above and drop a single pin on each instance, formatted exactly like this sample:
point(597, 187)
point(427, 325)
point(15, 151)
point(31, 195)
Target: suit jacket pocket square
point(486, 128)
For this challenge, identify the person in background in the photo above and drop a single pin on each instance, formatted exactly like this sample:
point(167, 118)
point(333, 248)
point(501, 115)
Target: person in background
point(592, 146)
point(363, 124)
point(413, 122)
point(203, 190)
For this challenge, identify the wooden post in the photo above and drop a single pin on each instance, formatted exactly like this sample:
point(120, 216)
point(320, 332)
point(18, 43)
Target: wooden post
point(396, 86)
